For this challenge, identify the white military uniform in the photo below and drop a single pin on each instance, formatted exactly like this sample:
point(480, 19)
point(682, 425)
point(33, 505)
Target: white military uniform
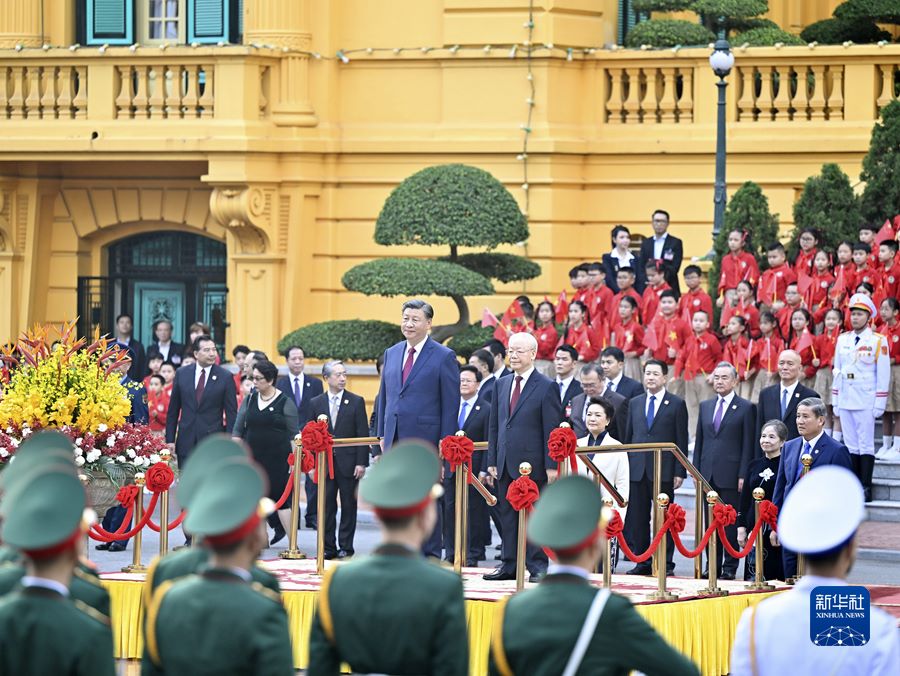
point(862, 374)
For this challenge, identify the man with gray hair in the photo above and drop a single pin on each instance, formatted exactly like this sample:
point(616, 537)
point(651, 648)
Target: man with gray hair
point(419, 393)
point(779, 401)
point(346, 418)
point(723, 448)
point(819, 446)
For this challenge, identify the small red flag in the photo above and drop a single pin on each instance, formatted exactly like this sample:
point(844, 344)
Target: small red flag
point(806, 340)
point(514, 311)
point(562, 308)
point(651, 338)
point(488, 318)
point(886, 232)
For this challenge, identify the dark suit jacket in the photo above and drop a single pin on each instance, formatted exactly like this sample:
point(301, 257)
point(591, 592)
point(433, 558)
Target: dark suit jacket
point(672, 253)
point(426, 406)
point(175, 352)
point(522, 435)
point(629, 388)
point(215, 413)
point(616, 427)
point(769, 408)
point(486, 388)
point(669, 425)
point(723, 457)
point(476, 428)
point(312, 387)
point(351, 422)
point(827, 451)
point(572, 391)
point(611, 269)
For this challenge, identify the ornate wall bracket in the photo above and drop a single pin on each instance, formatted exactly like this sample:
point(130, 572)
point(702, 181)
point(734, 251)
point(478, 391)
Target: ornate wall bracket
point(246, 212)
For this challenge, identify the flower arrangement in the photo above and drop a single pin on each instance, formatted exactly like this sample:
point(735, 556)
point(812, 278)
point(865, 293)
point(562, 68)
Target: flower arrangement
point(72, 387)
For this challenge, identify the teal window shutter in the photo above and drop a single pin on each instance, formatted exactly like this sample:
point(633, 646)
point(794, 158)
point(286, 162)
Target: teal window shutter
point(109, 22)
point(211, 21)
point(628, 17)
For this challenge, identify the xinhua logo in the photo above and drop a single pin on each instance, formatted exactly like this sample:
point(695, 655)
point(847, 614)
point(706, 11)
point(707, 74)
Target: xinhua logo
point(839, 616)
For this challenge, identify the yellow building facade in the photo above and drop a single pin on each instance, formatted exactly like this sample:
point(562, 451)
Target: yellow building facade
point(236, 183)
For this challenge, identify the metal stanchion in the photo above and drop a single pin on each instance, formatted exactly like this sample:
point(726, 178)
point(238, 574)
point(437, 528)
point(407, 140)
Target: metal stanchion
point(85, 480)
point(657, 490)
point(713, 589)
point(292, 552)
point(321, 488)
point(164, 456)
point(806, 460)
point(563, 466)
point(698, 529)
point(136, 566)
point(759, 583)
point(524, 470)
point(606, 515)
point(659, 558)
point(459, 520)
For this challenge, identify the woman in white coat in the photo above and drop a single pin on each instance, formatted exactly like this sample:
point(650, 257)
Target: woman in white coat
point(613, 465)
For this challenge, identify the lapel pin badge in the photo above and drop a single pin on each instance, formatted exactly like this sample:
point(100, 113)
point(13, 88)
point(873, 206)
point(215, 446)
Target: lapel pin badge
point(214, 377)
point(734, 407)
point(346, 401)
point(478, 408)
point(666, 402)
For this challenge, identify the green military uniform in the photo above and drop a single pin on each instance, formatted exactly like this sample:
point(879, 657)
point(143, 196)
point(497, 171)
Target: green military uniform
point(85, 586)
point(392, 612)
point(8, 555)
point(43, 629)
point(219, 622)
point(536, 631)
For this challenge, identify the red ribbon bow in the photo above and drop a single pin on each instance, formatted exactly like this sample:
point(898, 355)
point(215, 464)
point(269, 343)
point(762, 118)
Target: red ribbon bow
point(724, 514)
point(675, 518)
point(159, 477)
point(561, 446)
point(615, 526)
point(522, 493)
point(307, 460)
point(457, 450)
point(127, 495)
point(768, 513)
point(316, 437)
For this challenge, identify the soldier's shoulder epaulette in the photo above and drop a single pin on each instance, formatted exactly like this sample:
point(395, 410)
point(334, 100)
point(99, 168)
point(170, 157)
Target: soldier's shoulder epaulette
point(91, 612)
point(875, 334)
point(150, 643)
point(90, 578)
point(263, 590)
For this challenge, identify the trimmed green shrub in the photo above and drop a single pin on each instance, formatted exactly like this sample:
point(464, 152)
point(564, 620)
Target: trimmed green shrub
point(451, 204)
point(828, 204)
point(349, 340)
point(766, 37)
point(668, 33)
point(837, 31)
point(882, 11)
point(660, 5)
point(500, 266)
point(415, 277)
point(730, 9)
point(881, 168)
point(470, 339)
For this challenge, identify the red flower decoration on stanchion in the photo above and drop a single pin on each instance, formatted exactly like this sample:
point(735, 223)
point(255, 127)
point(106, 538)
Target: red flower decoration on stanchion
point(615, 526)
point(561, 447)
point(523, 493)
point(768, 513)
point(307, 460)
point(316, 437)
point(159, 477)
point(675, 518)
point(724, 514)
point(457, 449)
point(127, 495)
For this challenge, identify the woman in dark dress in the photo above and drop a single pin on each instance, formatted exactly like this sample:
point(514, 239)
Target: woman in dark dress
point(268, 422)
point(761, 474)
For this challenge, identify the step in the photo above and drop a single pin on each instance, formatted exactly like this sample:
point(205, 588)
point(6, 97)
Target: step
point(886, 470)
point(886, 489)
point(883, 510)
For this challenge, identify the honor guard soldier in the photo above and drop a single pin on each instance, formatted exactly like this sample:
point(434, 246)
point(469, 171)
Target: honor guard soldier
point(862, 374)
point(819, 519)
point(220, 621)
point(393, 612)
point(565, 625)
point(43, 628)
point(208, 455)
point(47, 448)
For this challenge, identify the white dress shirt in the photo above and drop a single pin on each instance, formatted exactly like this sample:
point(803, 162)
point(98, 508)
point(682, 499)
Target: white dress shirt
point(614, 382)
point(417, 346)
point(294, 378)
point(790, 391)
point(728, 399)
point(524, 381)
point(470, 404)
point(657, 402)
point(658, 244)
point(197, 372)
point(565, 382)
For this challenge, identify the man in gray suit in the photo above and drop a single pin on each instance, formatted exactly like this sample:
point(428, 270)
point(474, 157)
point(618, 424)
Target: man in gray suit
point(592, 381)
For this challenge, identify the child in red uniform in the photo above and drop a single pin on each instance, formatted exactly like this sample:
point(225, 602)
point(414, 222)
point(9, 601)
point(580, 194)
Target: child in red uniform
point(153, 364)
point(599, 300)
point(766, 349)
point(774, 281)
point(628, 336)
point(738, 265)
point(867, 236)
point(792, 301)
point(844, 275)
point(824, 361)
point(157, 404)
point(547, 337)
point(862, 270)
point(802, 341)
point(625, 279)
point(671, 333)
point(888, 270)
point(890, 307)
point(738, 352)
point(578, 278)
point(697, 362)
point(808, 241)
point(816, 296)
point(656, 284)
point(695, 298)
point(580, 335)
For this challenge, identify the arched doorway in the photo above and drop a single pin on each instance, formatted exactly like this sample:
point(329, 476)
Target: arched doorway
point(163, 275)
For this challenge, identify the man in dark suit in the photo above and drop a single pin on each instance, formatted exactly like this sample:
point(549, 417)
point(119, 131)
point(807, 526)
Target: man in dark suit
point(656, 416)
point(163, 346)
point(612, 361)
point(498, 351)
point(302, 390)
point(473, 419)
point(593, 382)
point(663, 247)
point(723, 449)
point(525, 409)
point(124, 328)
point(419, 391)
point(564, 365)
point(483, 360)
point(779, 402)
point(824, 451)
point(346, 418)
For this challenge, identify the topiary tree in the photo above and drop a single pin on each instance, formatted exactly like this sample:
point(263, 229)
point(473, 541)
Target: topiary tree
point(881, 168)
point(882, 11)
point(668, 33)
point(730, 15)
point(766, 37)
point(470, 339)
point(836, 31)
point(828, 204)
point(361, 340)
point(748, 209)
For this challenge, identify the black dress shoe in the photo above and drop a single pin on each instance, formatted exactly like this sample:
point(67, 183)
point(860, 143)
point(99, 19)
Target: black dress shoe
point(537, 576)
point(727, 575)
point(640, 569)
point(277, 537)
point(103, 546)
point(328, 556)
point(117, 546)
point(471, 563)
point(344, 554)
point(500, 574)
point(670, 571)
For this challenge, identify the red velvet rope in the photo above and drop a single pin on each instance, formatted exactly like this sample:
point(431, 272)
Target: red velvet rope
point(768, 514)
point(172, 525)
point(307, 460)
point(561, 446)
point(286, 492)
point(615, 525)
point(458, 450)
point(316, 437)
point(97, 533)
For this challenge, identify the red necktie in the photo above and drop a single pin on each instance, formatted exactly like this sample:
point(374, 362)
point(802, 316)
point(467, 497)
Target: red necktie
point(201, 384)
point(407, 367)
point(517, 391)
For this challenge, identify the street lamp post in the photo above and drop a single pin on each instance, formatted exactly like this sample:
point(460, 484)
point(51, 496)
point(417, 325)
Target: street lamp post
point(721, 61)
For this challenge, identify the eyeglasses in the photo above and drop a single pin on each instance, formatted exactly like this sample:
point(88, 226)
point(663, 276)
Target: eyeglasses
point(258, 379)
point(513, 350)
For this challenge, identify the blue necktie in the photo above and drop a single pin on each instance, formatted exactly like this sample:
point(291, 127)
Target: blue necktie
point(783, 402)
point(462, 416)
point(561, 391)
point(650, 411)
point(806, 449)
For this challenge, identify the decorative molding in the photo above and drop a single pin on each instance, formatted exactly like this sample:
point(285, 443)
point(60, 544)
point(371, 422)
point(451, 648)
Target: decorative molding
point(4, 220)
point(246, 212)
point(284, 222)
point(21, 221)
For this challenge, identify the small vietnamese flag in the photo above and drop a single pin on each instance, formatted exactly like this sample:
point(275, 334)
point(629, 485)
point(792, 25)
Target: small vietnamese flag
point(805, 341)
point(562, 307)
point(886, 232)
point(488, 318)
point(651, 338)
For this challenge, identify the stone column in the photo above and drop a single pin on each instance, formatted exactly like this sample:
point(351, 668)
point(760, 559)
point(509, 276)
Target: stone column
point(20, 23)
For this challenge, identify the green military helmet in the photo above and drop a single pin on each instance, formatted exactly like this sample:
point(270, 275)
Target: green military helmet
point(207, 455)
point(403, 481)
point(568, 515)
point(229, 503)
point(41, 448)
point(49, 510)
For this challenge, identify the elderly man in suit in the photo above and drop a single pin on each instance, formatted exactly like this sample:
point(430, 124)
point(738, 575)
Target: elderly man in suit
point(594, 385)
point(346, 418)
point(723, 449)
point(663, 247)
point(612, 361)
point(164, 347)
point(419, 391)
point(814, 442)
point(524, 411)
point(779, 401)
point(656, 416)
